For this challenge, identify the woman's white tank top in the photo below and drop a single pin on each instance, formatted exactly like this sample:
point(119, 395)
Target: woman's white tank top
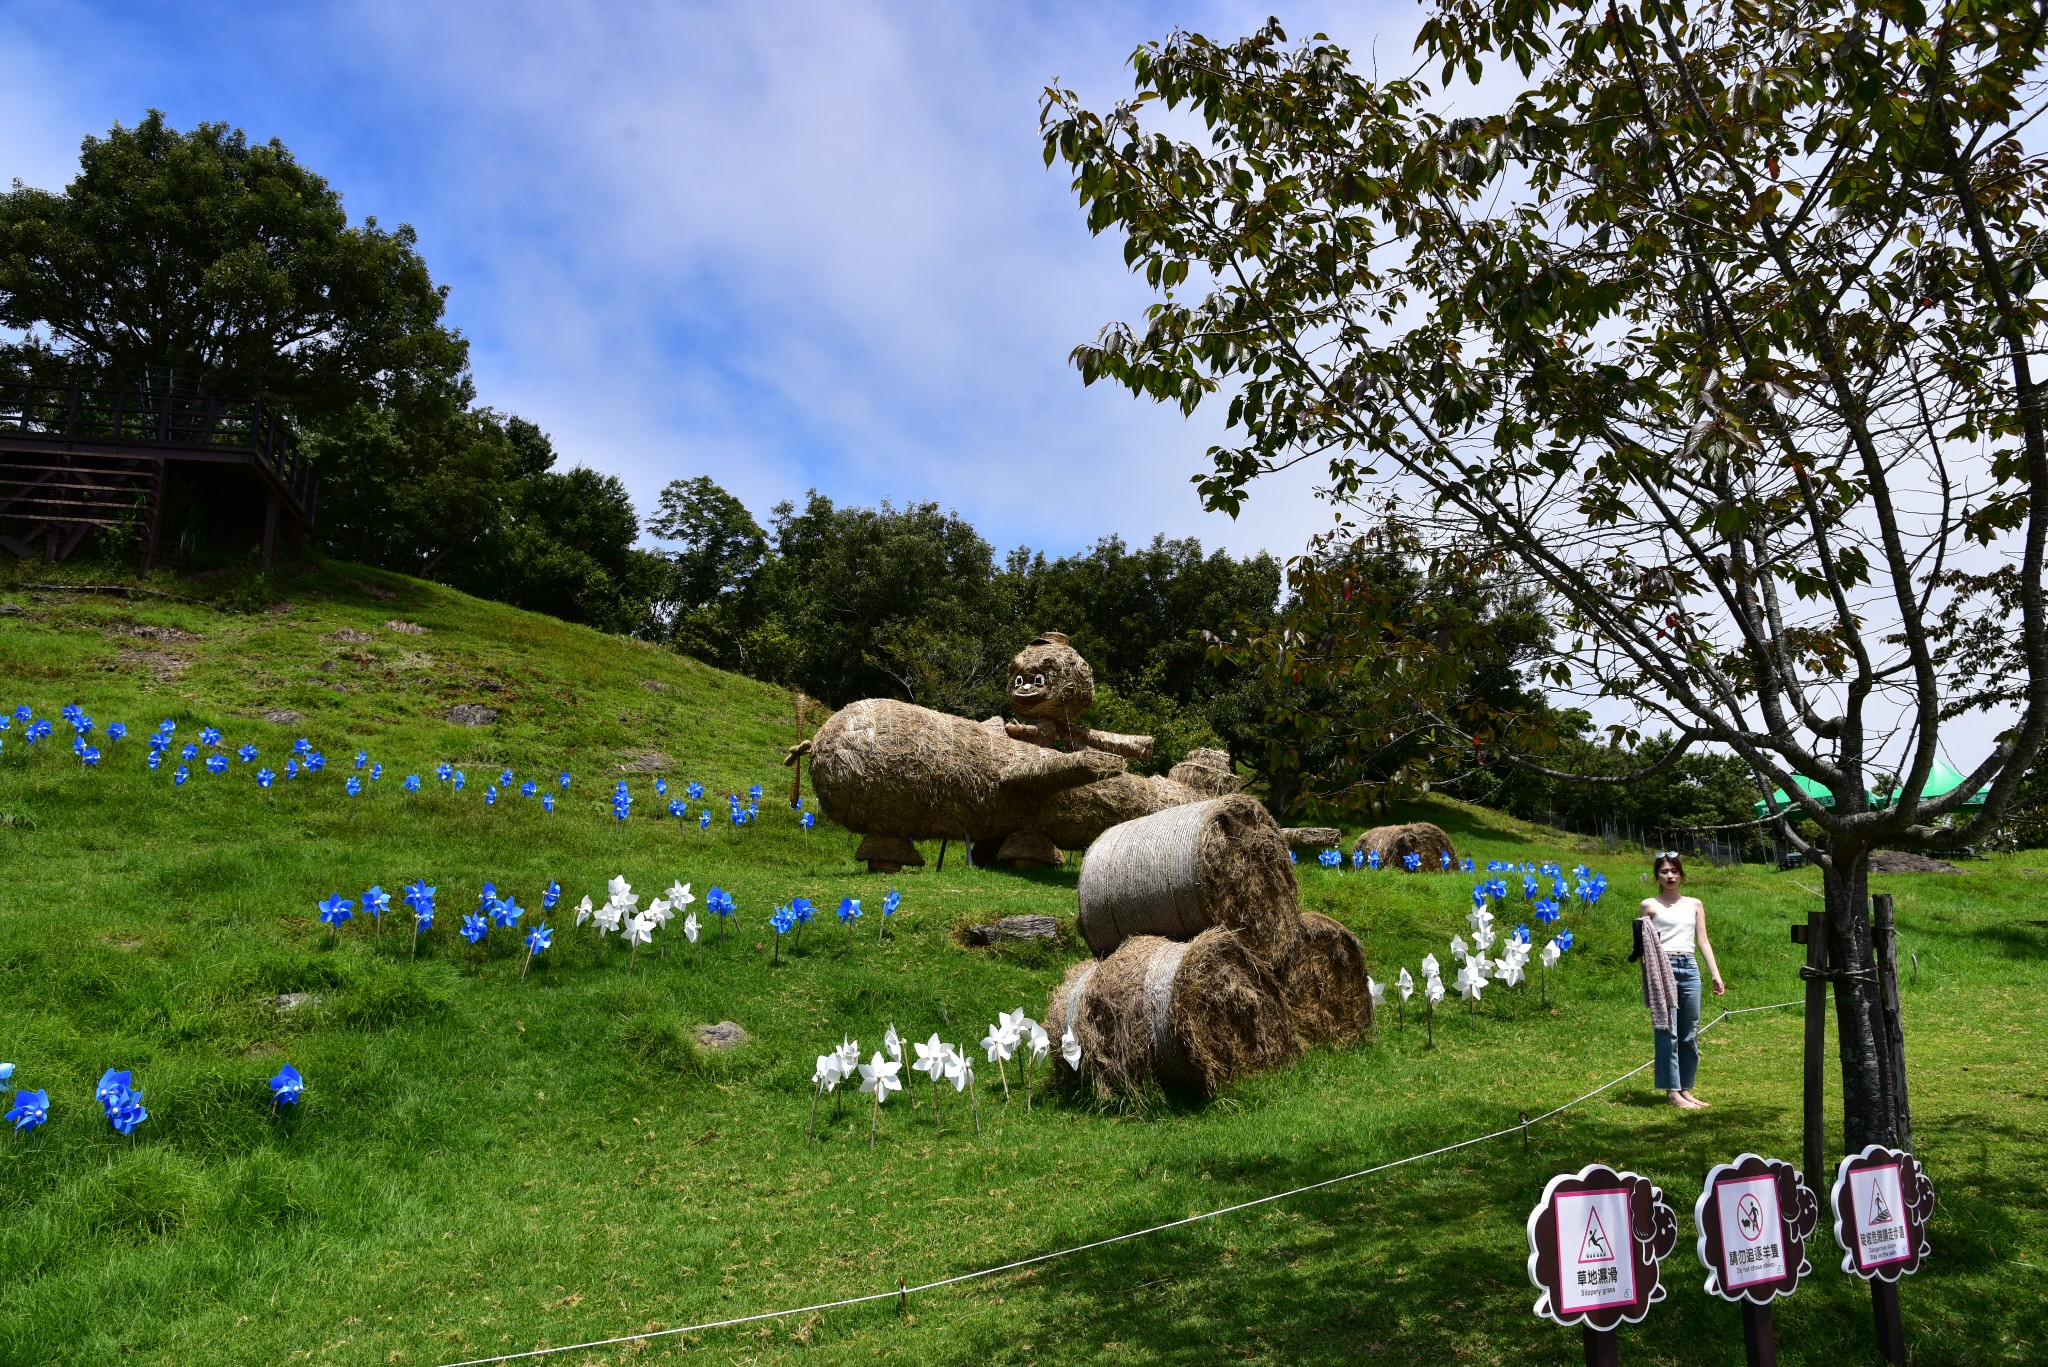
point(1674, 925)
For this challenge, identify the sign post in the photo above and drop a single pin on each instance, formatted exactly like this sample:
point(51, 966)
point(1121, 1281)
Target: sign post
point(1754, 1217)
point(1596, 1239)
point(1882, 1199)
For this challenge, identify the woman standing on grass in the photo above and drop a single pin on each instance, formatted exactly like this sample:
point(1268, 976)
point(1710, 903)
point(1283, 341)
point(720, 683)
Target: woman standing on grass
point(1670, 930)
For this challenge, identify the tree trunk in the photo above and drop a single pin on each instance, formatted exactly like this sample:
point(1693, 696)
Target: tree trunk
point(1869, 1111)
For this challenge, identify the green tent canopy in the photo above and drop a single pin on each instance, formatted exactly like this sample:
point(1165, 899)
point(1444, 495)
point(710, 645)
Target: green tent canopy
point(1941, 781)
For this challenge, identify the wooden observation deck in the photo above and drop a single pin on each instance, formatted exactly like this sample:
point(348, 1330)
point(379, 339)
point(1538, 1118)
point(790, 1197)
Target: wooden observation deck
point(77, 457)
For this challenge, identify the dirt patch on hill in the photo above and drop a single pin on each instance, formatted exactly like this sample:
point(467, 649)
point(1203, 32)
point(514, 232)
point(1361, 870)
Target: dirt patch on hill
point(646, 762)
point(1907, 861)
point(161, 665)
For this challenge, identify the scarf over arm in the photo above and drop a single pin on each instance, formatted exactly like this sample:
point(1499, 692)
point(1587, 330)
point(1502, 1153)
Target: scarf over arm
point(1660, 988)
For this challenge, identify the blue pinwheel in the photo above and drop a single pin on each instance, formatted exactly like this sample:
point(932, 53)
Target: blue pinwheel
point(490, 797)
point(704, 820)
point(1443, 858)
point(506, 913)
point(1563, 941)
point(121, 1101)
point(291, 768)
point(216, 764)
point(156, 760)
point(719, 902)
point(189, 753)
point(754, 792)
point(552, 896)
point(287, 1087)
point(1528, 887)
point(316, 761)
point(537, 941)
point(362, 758)
point(459, 779)
point(1497, 888)
point(891, 900)
point(529, 789)
point(354, 786)
point(661, 787)
point(801, 909)
point(505, 779)
point(695, 791)
point(376, 772)
point(547, 802)
point(810, 819)
point(1479, 895)
point(178, 778)
point(1521, 933)
point(565, 778)
point(334, 910)
point(209, 735)
point(302, 747)
point(245, 752)
point(1467, 865)
point(1358, 859)
point(444, 771)
point(1330, 859)
point(783, 920)
point(375, 903)
point(420, 898)
point(118, 731)
point(474, 928)
point(89, 756)
point(30, 1110)
point(1412, 862)
point(677, 809)
point(1372, 860)
point(412, 783)
point(849, 912)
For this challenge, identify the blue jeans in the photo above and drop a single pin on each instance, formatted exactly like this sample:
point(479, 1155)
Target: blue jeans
point(1678, 1049)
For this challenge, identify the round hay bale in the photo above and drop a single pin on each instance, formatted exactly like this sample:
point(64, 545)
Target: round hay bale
point(1323, 982)
point(1189, 1015)
point(1179, 872)
point(1417, 837)
point(1207, 771)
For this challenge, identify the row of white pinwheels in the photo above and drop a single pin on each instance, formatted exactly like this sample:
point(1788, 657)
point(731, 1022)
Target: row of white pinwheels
point(212, 754)
point(1014, 1035)
point(1476, 969)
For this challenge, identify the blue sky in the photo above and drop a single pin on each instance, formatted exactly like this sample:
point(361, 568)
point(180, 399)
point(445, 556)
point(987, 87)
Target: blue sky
point(788, 246)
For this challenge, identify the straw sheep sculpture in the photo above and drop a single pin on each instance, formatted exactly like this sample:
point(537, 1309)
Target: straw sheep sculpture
point(1018, 792)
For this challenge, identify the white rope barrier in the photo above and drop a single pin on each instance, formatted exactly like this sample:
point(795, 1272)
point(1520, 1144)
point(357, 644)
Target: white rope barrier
point(904, 1292)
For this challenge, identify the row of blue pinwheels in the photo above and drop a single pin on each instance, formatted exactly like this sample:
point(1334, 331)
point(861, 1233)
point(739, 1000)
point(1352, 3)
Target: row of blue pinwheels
point(211, 754)
point(1013, 1035)
point(121, 1100)
point(1370, 859)
point(620, 913)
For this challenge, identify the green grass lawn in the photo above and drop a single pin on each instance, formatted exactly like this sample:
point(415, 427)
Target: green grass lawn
point(483, 1164)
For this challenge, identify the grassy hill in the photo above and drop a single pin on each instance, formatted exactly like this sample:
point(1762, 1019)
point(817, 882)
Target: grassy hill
point(484, 1164)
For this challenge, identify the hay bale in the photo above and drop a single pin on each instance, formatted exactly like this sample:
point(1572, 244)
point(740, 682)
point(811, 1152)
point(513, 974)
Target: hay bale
point(1311, 837)
point(1188, 1015)
point(1021, 849)
point(1179, 872)
point(1208, 772)
point(1011, 928)
point(1417, 837)
point(1323, 982)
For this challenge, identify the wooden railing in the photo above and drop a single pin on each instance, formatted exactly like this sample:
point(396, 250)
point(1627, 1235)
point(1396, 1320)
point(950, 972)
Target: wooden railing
point(171, 421)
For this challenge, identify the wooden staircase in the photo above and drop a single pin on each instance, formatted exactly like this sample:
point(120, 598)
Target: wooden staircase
point(50, 501)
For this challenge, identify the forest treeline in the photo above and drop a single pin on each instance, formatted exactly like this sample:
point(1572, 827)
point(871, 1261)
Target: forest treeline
point(204, 260)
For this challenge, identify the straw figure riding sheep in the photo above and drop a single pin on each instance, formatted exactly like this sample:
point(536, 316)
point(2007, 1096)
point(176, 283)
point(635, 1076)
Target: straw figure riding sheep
point(1018, 792)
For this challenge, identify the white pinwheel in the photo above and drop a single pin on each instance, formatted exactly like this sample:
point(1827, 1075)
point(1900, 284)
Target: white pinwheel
point(690, 930)
point(849, 1055)
point(639, 930)
point(1406, 985)
point(893, 1042)
point(1508, 971)
point(931, 1061)
point(1551, 954)
point(1070, 1049)
point(1376, 990)
point(583, 911)
point(1433, 990)
point(1482, 940)
point(1481, 920)
point(1472, 979)
point(826, 1077)
point(657, 911)
point(960, 1072)
point(679, 895)
point(621, 890)
point(1011, 1023)
point(1430, 967)
point(1000, 1045)
point(1037, 1044)
point(607, 918)
point(879, 1078)
point(1459, 949)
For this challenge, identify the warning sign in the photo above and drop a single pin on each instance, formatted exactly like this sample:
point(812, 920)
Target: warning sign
point(1595, 1242)
point(1755, 1216)
point(1877, 1206)
point(1600, 1275)
point(1882, 1200)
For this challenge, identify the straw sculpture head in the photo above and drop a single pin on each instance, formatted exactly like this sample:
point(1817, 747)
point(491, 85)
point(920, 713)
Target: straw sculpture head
point(1049, 681)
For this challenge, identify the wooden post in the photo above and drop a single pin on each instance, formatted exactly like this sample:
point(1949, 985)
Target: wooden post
point(1758, 1342)
point(1885, 945)
point(1884, 1310)
point(1603, 1349)
point(1816, 1043)
point(943, 842)
point(269, 529)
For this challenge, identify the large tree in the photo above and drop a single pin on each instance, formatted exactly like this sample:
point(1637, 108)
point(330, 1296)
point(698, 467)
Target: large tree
point(1720, 322)
point(202, 258)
